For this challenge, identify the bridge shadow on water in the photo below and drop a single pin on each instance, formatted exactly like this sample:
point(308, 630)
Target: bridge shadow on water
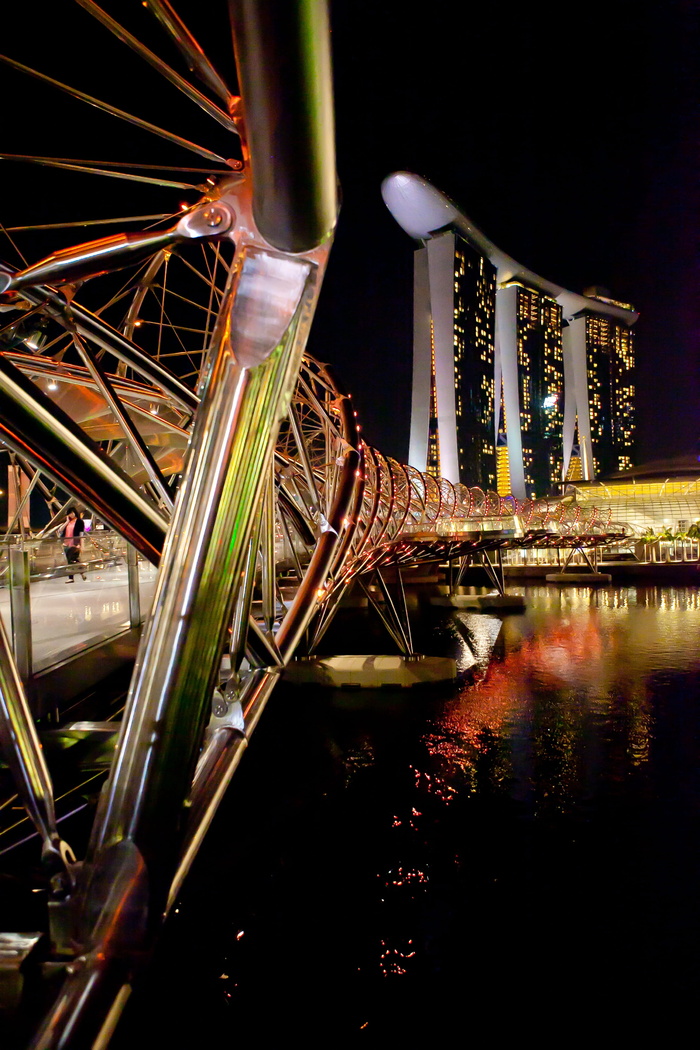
point(516, 855)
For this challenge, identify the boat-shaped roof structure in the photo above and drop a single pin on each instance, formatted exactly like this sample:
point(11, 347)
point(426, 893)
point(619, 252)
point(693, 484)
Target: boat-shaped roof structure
point(422, 211)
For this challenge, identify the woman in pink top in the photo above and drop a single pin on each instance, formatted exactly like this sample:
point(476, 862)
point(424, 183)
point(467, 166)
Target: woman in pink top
point(72, 535)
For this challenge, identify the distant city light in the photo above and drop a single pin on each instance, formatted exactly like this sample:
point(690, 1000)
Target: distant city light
point(550, 401)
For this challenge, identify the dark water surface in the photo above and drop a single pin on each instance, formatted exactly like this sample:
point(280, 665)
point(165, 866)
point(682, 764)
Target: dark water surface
point(516, 856)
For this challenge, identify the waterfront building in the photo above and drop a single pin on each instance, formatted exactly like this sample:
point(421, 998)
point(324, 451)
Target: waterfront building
point(599, 355)
point(454, 313)
point(508, 367)
point(660, 497)
point(532, 376)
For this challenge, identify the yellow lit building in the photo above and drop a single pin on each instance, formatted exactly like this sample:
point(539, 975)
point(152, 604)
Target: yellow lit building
point(489, 332)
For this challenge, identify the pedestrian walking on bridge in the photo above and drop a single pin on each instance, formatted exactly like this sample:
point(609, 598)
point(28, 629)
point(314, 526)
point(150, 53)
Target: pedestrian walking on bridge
point(72, 536)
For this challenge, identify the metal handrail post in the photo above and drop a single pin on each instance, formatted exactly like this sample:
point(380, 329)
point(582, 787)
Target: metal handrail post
point(132, 576)
point(20, 610)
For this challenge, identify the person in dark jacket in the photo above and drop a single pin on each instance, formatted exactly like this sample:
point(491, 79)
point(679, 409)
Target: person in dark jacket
point(72, 536)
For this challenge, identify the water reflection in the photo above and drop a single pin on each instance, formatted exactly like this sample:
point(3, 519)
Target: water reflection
point(523, 851)
point(565, 700)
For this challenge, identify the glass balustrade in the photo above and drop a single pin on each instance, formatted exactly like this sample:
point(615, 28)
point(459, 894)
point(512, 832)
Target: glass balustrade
point(53, 610)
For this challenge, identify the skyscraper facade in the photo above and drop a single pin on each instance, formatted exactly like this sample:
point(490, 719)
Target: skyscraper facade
point(605, 420)
point(532, 377)
point(454, 313)
point(517, 382)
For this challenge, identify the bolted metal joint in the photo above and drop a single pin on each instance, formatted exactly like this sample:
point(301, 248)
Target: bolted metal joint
point(210, 219)
point(226, 709)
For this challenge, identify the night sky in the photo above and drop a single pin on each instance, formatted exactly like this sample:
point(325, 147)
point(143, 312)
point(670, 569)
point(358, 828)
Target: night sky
point(567, 132)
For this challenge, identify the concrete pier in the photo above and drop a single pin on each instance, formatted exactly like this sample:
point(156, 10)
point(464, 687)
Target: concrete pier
point(587, 579)
point(371, 672)
point(480, 602)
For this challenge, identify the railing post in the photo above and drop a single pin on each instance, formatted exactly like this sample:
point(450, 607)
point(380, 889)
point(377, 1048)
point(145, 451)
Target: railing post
point(20, 611)
point(132, 575)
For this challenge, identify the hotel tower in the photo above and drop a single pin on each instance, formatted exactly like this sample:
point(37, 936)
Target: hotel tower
point(518, 384)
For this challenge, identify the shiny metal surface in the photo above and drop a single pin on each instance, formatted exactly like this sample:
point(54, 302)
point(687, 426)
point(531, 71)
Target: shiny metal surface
point(216, 766)
point(169, 136)
point(121, 249)
point(132, 564)
point(107, 338)
point(113, 926)
point(23, 753)
point(284, 64)
point(20, 612)
point(231, 447)
point(189, 48)
point(35, 427)
point(163, 68)
point(136, 442)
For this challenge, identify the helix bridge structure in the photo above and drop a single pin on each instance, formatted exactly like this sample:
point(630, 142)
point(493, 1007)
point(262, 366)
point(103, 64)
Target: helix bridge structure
point(160, 378)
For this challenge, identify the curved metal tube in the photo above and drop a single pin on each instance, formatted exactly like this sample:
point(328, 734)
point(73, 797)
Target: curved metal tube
point(109, 339)
point(23, 754)
point(34, 426)
point(207, 545)
point(284, 66)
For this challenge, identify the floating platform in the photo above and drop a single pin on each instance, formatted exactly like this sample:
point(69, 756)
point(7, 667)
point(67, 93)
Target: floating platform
point(585, 579)
point(371, 672)
point(480, 602)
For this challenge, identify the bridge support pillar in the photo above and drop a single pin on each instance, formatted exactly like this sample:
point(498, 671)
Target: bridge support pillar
point(590, 578)
point(495, 599)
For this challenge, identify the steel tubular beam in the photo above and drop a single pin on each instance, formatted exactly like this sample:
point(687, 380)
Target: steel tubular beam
point(136, 442)
point(179, 82)
point(22, 750)
point(107, 338)
point(21, 612)
point(206, 551)
point(32, 425)
point(305, 603)
point(288, 113)
point(190, 49)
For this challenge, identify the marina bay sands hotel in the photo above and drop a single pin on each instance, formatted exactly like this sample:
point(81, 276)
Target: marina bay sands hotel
point(518, 384)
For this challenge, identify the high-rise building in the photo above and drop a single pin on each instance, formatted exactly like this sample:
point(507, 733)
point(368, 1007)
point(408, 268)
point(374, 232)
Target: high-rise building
point(532, 371)
point(454, 360)
point(600, 359)
point(516, 381)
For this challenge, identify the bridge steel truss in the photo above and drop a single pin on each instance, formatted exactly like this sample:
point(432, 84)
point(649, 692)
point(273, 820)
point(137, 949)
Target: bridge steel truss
point(226, 456)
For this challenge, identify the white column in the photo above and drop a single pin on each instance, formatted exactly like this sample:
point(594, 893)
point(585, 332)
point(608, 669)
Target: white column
point(420, 395)
point(441, 251)
point(576, 372)
point(507, 343)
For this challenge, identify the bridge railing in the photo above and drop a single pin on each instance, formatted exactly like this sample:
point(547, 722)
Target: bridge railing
point(54, 611)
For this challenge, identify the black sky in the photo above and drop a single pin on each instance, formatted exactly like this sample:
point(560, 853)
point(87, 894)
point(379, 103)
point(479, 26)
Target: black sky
point(568, 132)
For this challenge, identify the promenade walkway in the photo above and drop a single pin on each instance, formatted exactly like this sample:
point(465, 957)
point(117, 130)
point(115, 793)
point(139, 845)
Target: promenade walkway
point(67, 618)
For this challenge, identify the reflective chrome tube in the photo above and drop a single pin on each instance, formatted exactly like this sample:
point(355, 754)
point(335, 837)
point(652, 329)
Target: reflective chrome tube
point(306, 601)
point(189, 48)
point(284, 67)
point(35, 427)
point(216, 767)
point(204, 557)
point(109, 339)
point(24, 756)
